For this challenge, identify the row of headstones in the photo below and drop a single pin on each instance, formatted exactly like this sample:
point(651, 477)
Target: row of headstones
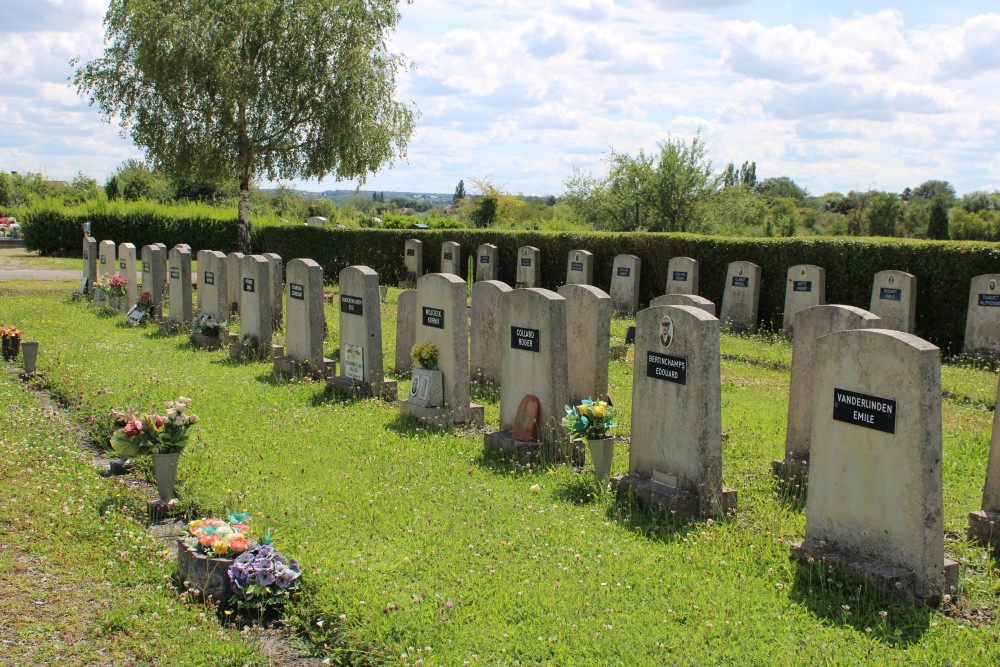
point(894, 293)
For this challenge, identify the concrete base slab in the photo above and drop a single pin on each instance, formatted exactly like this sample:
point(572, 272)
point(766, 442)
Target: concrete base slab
point(209, 342)
point(984, 529)
point(793, 473)
point(293, 367)
point(673, 501)
point(350, 388)
point(519, 451)
point(444, 417)
point(887, 577)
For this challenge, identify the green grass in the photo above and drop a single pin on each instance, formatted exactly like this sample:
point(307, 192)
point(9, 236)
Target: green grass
point(410, 537)
point(19, 258)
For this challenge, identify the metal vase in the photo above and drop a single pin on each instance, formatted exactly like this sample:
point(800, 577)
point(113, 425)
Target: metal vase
point(29, 355)
point(602, 451)
point(165, 471)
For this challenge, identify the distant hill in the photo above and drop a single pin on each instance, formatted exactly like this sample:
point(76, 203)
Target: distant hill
point(340, 196)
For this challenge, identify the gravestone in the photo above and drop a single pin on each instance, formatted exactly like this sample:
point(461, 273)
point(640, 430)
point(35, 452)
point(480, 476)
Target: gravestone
point(128, 268)
point(107, 266)
point(361, 371)
point(213, 286)
point(90, 264)
point(484, 351)
point(275, 278)
point(580, 268)
point(984, 525)
point(413, 260)
point(685, 300)
point(682, 276)
point(179, 286)
point(154, 277)
point(406, 328)
point(982, 323)
point(588, 343)
point(303, 352)
point(487, 262)
point(675, 452)
point(233, 261)
point(451, 258)
point(810, 325)
point(894, 299)
point(534, 363)
point(875, 492)
point(806, 287)
point(741, 296)
point(528, 267)
point(441, 320)
point(625, 284)
point(256, 315)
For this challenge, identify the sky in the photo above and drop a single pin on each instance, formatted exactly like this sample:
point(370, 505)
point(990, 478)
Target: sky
point(837, 95)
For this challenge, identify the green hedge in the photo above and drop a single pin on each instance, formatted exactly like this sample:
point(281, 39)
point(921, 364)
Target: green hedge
point(943, 269)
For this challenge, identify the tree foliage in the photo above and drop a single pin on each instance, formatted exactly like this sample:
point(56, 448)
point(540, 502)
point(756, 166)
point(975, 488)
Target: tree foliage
point(277, 88)
point(781, 186)
point(937, 226)
point(928, 190)
point(884, 212)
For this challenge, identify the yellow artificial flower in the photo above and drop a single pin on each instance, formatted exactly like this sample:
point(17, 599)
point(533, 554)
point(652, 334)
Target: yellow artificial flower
point(598, 411)
point(220, 548)
point(582, 409)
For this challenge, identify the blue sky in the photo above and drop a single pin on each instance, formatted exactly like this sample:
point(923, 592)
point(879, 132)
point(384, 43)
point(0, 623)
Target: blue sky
point(837, 95)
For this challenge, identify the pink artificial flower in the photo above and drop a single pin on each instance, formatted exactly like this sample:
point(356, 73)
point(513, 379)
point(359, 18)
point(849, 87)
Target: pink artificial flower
point(158, 420)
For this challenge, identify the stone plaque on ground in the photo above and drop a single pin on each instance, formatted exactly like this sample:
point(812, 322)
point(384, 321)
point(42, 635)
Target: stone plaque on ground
point(487, 262)
point(625, 284)
point(451, 258)
point(213, 285)
point(484, 351)
point(90, 261)
point(741, 296)
point(810, 324)
point(406, 326)
point(528, 267)
point(982, 323)
point(588, 342)
point(305, 322)
point(361, 371)
point(413, 259)
point(984, 525)
point(894, 299)
point(128, 268)
point(154, 276)
point(675, 453)
point(534, 363)
point(107, 265)
point(875, 491)
point(442, 321)
point(276, 277)
point(179, 286)
point(233, 260)
point(806, 287)
point(685, 300)
point(256, 314)
point(682, 276)
point(580, 268)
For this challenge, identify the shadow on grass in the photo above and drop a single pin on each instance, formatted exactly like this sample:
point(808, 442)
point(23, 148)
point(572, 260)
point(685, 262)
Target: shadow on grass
point(650, 523)
point(498, 464)
point(852, 601)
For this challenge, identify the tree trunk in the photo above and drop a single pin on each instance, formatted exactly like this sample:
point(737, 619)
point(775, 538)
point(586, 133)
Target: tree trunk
point(243, 228)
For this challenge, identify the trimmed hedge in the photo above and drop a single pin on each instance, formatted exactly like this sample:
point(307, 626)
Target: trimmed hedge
point(944, 269)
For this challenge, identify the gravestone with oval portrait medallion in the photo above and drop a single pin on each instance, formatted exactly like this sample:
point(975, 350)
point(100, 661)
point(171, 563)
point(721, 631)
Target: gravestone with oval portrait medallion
point(984, 524)
point(406, 326)
point(451, 258)
point(90, 264)
point(805, 287)
point(625, 284)
point(487, 262)
point(413, 261)
point(107, 266)
point(179, 286)
point(588, 340)
point(305, 322)
point(256, 315)
point(875, 503)
point(580, 268)
point(675, 451)
point(682, 276)
point(529, 268)
point(484, 352)
point(685, 300)
point(154, 277)
point(128, 268)
point(741, 296)
point(982, 324)
point(233, 260)
point(894, 299)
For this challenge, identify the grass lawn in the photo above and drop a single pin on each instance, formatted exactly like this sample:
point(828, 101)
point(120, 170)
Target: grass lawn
point(417, 548)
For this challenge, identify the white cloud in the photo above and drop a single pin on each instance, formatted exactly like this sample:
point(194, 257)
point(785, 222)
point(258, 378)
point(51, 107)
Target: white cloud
point(972, 49)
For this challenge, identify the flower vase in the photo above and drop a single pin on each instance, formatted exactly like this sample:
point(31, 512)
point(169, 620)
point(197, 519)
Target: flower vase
point(165, 471)
point(115, 302)
point(602, 451)
point(11, 346)
point(29, 355)
point(427, 388)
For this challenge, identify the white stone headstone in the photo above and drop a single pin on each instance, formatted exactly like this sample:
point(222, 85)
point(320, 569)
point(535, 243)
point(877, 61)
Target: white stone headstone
point(154, 276)
point(213, 292)
point(179, 286)
point(588, 343)
point(233, 261)
point(580, 268)
point(451, 258)
point(128, 268)
point(107, 265)
point(806, 287)
point(361, 335)
point(484, 351)
point(413, 258)
point(982, 323)
point(90, 261)
point(256, 316)
point(625, 284)
point(741, 296)
point(685, 300)
point(487, 262)
point(894, 299)
point(528, 267)
point(682, 276)
point(305, 324)
point(276, 277)
point(406, 328)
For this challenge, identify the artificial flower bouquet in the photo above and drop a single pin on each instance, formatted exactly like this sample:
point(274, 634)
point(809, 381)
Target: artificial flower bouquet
point(206, 325)
point(425, 355)
point(10, 332)
point(219, 538)
point(116, 285)
point(262, 577)
point(147, 433)
point(590, 419)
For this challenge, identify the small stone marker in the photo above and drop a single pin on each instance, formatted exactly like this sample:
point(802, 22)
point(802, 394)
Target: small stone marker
point(675, 453)
point(982, 324)
point(128, 268)
point(894, 299)
point(625, 284)
point(487, 312)
point(361, 371)
point(179, 286)
point(588, 340)
point(682, 276)
point(984, 525)
point(441, 321)
point(535, 364)
point(406, 329)
point(90, 263)
point(806, 287)
point(413, 260)
point(276, 271)
point(107, 265)
point(875, 491)
point(233, 260)
point(303, 353)
point(154, 277)
point(451, 258)
point(685, 300)
point(528, 267)
point(741, 296)
point(213, 286)
point(487, 262)
point(256, 316)
point(526, 419)
point(810, 324)
point(580, 268)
